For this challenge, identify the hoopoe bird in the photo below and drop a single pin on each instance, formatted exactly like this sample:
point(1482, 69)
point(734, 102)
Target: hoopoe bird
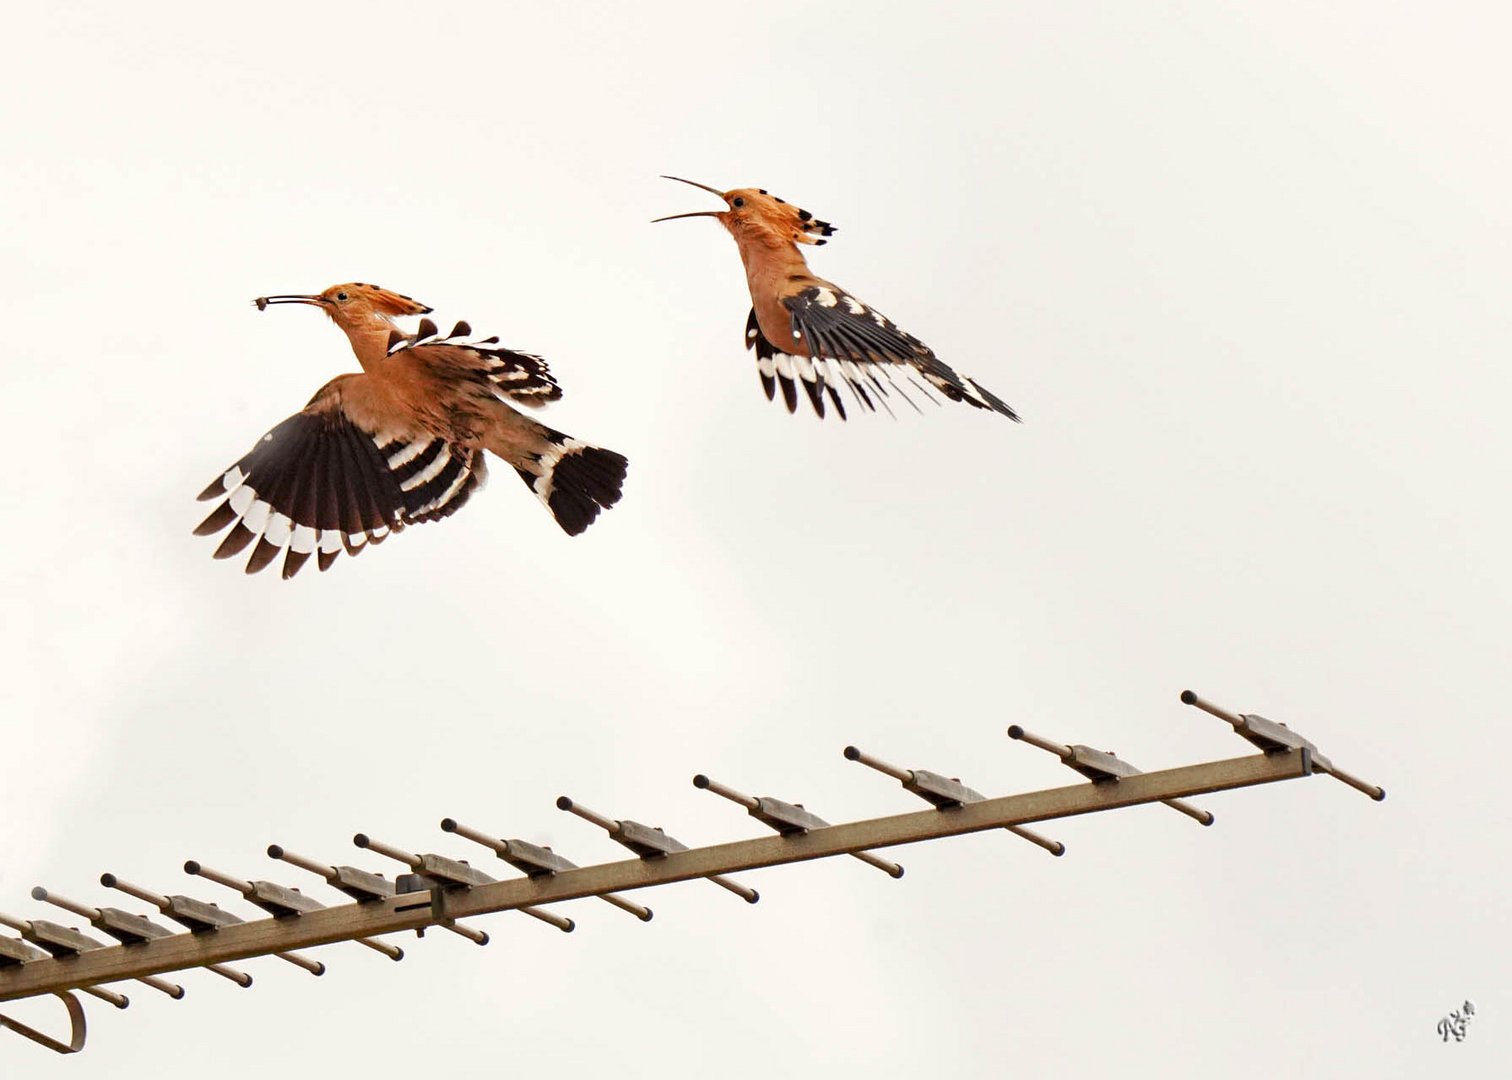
point(402, 442)
point(807, 330)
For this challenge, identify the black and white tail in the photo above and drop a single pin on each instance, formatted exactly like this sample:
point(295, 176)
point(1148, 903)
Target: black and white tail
point(574, 480)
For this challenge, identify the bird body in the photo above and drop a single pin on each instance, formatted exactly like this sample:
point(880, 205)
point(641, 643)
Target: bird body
point(774, 273)
point(401, 442)
point(809, 331)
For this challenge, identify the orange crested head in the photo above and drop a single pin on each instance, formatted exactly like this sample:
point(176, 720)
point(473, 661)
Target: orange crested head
point(353, 303)
point(756, 214)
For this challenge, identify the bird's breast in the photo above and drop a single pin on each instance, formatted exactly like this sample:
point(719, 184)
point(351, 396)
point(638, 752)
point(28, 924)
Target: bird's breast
point(771, 282)
point(777, 325)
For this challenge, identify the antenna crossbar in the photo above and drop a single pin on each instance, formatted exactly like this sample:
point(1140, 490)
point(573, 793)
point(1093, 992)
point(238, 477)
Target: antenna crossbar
point(419, 910)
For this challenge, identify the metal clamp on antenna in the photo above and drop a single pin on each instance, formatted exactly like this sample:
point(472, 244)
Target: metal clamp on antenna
point(1272, 737)
point(1101, 767)
point(649, 843)
point(789, 819)
point(130, 929)
point(437, 874)
point(281, 902)
point(14, 953)
point(945, 793)
point(200, 916)
point(536, 862)
point(62, 941)
point(360, 885)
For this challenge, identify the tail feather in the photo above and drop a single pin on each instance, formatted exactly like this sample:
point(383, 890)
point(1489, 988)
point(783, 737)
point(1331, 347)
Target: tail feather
point(575, 480)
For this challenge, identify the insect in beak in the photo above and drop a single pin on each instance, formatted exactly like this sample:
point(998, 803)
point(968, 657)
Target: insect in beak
point(262, 302)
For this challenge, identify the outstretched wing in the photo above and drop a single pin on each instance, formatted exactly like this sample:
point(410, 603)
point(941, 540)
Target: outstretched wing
point(520, 377)
point(776, 367)
point(859, 345)
point(319, 483)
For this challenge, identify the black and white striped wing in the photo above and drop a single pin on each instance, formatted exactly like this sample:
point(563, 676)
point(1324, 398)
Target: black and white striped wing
point(862, 347)
point(318, 484)
point(779, 368)
point(520, 377)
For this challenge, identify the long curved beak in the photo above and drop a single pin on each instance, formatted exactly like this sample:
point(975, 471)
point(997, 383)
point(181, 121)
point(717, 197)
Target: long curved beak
point(699, 213)
point(674, 217)
point(262, 302)
point(694, 183)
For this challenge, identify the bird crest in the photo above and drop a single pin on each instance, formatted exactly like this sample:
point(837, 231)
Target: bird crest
point(756, 213)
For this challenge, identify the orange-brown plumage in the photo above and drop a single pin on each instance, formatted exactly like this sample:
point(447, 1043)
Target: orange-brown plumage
point(401, 442)
point(806, 330)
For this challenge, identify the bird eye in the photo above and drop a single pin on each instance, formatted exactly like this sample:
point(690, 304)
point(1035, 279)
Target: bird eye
point(739, 202)
point(341, 296)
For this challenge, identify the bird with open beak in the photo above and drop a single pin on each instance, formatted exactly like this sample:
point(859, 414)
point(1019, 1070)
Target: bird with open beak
point(809, 331)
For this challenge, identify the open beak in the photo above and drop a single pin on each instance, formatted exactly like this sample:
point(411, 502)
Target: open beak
point(700, 213)
point(262, 302)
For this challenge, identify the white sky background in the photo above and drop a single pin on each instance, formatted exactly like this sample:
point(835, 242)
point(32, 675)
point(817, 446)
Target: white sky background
point(1242, 268)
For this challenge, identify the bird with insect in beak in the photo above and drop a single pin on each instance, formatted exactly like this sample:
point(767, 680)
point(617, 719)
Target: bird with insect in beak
point(402, 442)
point(810, 331)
